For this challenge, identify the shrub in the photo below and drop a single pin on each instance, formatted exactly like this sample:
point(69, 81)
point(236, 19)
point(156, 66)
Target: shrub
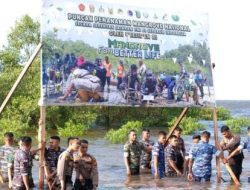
point(188, 124)
point(237, 123)
point(72, 129)
point(121, 135)
point(17, 127)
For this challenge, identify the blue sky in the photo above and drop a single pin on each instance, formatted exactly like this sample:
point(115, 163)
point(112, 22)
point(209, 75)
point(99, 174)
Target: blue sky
point(229, 36)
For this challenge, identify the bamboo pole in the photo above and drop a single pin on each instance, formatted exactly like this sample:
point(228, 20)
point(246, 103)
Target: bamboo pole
point(41, 139)
point(20, 77)
point(218, 173)
point(183, 113)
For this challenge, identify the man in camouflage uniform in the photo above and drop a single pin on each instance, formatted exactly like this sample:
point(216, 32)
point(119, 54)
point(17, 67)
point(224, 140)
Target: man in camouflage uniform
point(51, 156)
point(7, 152)
point(200, 166)
point(86, 169)
point(171, 153)
point(132, 154)
point(146, 156)
point(65, 164)
point(23, 165)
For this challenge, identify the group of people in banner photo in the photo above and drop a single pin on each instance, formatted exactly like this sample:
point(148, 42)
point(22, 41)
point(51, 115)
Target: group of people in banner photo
point(164, 158)
point(69, 74)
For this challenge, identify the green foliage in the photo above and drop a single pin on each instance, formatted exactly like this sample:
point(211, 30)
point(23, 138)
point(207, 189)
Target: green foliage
point(121, 135)
point(24, 37)
point(207, 113)
point(17, 127)
point(189, 125)
point(236, 124)
point(199, 51)
point(73, 129)
point(23, 106)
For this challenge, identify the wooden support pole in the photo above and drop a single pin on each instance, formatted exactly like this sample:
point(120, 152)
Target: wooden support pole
point(42, 140)
point(20, 77)
point(216, 140)
point(177, 122)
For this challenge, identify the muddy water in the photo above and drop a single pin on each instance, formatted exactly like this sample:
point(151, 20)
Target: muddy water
point(113, 174)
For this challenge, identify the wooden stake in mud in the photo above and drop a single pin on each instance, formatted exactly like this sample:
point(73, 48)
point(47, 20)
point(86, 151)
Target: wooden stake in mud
point(20, 77)
point(42, 140)
point(216, 140)
point(177, 122)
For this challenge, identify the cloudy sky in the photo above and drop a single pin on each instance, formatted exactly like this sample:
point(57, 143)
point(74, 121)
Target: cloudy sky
point(229, 36)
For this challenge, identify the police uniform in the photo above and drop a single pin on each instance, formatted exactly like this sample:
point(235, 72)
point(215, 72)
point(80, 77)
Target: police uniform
point(202, 155)
point(65, 168)
point(170, 154)
point(158, 150)
point(86, 172)
point(22, 167)
point(6, 161)
point(51, 157)
point(146, 156)
point(133, 151)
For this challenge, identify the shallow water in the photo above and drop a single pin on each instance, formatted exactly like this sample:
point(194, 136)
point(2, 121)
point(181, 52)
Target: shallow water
point(112, 172)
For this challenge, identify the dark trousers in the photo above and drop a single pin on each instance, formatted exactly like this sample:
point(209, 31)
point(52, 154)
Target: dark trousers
point(108, 80)
point(206, 178)
point(201, 90)
point(236, 165)
point(87, 185)
point(119, 81)
point(135, 171)
point(180, 162)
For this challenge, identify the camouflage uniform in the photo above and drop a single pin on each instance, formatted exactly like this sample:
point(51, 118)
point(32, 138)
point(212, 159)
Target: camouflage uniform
point(22, 167)
point(51, 157)
point(65, 168)
point(86, 172)
point(170, 154)
point(158, 150)
point(146, 157)
point(133, 151)
point(202, 155)
point(6, 161)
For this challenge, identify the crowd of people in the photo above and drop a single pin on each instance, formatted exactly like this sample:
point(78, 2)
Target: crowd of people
point(169, 158)
point(16, 164)
point(90, 78)
point(164, 158)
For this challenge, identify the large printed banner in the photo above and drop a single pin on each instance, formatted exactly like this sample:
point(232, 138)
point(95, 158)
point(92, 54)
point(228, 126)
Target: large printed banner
point(96, 53)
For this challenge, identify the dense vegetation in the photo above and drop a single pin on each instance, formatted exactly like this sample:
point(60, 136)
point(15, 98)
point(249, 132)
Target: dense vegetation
point(22, 112)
